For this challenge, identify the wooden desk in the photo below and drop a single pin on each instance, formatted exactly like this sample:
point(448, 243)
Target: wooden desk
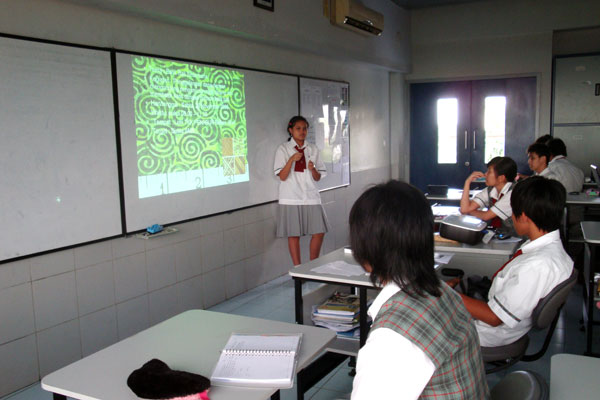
point(574, 377)
point(190, 341)
point(591, 237)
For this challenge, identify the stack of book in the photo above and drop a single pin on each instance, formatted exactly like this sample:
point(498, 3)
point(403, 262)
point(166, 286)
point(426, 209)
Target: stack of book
point(340, 313)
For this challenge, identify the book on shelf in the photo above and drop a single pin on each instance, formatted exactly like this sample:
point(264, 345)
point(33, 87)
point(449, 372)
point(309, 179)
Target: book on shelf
point(340, 304)
point(258, 361)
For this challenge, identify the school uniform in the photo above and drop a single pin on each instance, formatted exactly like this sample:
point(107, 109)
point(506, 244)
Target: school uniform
point(567, 173)
point(520, 284)
point(300, 211)
point(424, 347)
point(499, 204)
point(547, 173)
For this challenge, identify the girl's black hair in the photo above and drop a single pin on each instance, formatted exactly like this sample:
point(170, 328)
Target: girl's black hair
point(391, 229)
point(293, 121)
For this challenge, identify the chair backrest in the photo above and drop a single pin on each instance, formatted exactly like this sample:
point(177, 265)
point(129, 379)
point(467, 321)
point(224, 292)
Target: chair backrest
point(548, 306)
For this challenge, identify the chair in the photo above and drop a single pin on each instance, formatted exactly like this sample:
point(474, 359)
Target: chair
point(545, 316)
point(521, 385)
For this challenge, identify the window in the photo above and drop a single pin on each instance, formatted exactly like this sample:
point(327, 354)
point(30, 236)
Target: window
point(447, 122)
point(494, 122)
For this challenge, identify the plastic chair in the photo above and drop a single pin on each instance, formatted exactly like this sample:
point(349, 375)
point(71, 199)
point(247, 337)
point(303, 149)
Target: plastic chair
point(521, 385)
point(545, 316)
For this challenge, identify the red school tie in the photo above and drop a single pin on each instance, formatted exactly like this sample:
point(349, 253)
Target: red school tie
point(517, 254)
point(300, 165)
point(496, 221)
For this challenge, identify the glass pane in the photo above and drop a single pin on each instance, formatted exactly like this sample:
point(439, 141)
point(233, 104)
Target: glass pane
point(447, 121)
point(494, 121)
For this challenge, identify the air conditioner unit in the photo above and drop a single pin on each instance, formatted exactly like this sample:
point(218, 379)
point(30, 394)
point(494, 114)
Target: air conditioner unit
point(356, 17)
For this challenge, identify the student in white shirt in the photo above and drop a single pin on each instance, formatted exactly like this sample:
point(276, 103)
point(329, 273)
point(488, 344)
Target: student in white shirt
point(422, 343)
point(499, 178)
point(564, 170)
point(298, 166)
point(538, 156)
point(539, 265)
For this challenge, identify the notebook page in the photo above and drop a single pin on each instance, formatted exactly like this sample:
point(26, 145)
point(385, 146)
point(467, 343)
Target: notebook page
point(263, 342)
point(254, 370)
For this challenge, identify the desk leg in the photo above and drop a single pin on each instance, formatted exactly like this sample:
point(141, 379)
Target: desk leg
point(298, 300)
point(364, 329)
point(56, 396)
point(590, 299)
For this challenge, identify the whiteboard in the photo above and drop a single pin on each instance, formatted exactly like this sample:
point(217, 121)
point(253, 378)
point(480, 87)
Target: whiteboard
point(59, 181)
point(325, 105)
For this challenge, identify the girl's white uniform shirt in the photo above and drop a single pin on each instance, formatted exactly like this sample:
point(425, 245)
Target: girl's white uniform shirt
point(389, 366)
point(518, 288)
point(299, 188)
point(502, 207)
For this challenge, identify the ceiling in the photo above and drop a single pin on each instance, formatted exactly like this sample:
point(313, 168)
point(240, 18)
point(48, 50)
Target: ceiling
point(416, 4)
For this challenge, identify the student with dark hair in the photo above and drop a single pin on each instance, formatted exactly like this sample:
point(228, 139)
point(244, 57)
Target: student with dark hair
point(564, 170)
point(544, 139)
point(298, 166)
point(499, 178)
point(538, 156)
point(422, 342)
point(536, 268)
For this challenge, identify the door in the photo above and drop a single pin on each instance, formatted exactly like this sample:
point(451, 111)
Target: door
point(457, 127)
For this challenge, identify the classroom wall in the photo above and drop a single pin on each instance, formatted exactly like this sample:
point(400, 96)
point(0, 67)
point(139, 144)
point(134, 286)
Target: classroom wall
point(495, 38)
point(59, 307)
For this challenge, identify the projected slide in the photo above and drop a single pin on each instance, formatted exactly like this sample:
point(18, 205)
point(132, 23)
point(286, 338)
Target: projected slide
point(190, 124)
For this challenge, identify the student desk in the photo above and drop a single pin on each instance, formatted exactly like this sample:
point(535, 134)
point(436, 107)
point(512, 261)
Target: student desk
point(190, 341)
point(591, 237)
point(580, 199)
point(452, 197)
point(574, 377)
point(483, 259)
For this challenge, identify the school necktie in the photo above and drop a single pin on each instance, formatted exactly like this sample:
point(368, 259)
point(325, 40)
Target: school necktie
point(496, 221)
point(300, 165)
point(517, 254)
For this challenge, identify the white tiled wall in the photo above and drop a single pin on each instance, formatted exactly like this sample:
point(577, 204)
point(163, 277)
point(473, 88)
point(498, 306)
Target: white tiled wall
point(59, 307)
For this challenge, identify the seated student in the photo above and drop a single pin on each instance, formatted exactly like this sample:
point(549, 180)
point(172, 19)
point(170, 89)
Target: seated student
point(564, 170)
point(422, 342)
point(538, 155)
point(544, 139)
point(499, 178)
point(540, 264)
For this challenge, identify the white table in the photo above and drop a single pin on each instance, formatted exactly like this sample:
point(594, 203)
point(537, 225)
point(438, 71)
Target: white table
point(574, 377)
point(452, 197)
point(190, 341)
point(482, 259)
point(591, 236)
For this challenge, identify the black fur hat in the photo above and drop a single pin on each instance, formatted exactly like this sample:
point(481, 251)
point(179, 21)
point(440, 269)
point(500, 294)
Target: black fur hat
point(155, 380)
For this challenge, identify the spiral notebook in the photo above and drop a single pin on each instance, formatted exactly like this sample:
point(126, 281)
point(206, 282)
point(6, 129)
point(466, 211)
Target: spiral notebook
point(258, 361)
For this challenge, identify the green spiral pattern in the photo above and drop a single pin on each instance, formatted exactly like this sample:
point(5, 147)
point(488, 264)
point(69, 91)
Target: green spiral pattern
point(182, 113)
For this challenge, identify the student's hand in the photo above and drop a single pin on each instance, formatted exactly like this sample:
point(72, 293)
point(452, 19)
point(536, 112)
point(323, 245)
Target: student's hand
point(453, 282)
point(296, 157)
point(311, 166)
point(474, 175)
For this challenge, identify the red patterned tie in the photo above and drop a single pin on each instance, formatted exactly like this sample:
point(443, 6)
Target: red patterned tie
point(517, 254)
point(496, 221)
point(300, 165)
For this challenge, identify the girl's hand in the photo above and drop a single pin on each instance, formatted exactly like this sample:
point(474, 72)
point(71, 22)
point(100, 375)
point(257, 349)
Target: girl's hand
point(311, 166)
point(475, 175)
point(296, 157)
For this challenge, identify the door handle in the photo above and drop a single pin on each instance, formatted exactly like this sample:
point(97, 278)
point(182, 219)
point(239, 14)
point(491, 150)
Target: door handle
point(466, 143)
point(474, 139)
point(467, 163)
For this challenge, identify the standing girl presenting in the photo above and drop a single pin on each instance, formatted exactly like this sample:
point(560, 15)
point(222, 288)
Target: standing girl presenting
point(298, 166)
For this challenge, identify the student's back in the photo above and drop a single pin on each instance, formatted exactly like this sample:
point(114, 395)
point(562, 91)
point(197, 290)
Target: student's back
point(562, 169)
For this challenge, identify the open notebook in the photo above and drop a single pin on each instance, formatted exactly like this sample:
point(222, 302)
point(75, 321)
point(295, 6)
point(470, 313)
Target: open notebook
point(258, 361)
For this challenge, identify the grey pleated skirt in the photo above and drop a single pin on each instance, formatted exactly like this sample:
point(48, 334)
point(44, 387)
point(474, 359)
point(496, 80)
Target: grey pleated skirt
point(300, 220)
